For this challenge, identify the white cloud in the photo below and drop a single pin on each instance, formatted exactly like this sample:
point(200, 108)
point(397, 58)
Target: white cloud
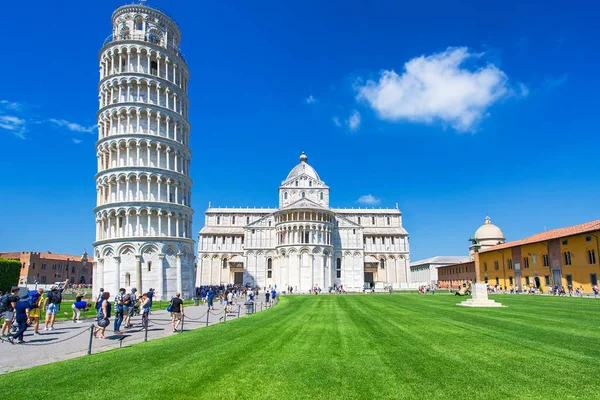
point(310, 99)
point(76, 141)
point(336, 121)
point(11, 105)
point(72, 126)
point(15, 125)
point(354, 121)
point(369, 199)
point(523, 90)
point(438, 87)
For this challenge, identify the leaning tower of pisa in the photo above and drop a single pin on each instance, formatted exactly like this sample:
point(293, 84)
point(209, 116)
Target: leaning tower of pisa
point(143, 214)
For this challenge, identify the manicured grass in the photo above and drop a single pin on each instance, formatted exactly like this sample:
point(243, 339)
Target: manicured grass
point(354, 347)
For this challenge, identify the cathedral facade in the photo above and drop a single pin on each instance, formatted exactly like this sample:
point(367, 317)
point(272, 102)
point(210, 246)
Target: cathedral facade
point(304, 243)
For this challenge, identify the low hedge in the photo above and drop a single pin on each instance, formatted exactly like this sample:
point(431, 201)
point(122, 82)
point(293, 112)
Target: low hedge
point(10, 270)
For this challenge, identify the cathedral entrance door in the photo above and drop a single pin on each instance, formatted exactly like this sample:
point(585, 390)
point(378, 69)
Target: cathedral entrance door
point(238, 278)
point(369, 279)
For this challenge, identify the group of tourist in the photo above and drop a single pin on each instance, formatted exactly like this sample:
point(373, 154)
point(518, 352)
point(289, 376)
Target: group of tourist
point(20, 311)
point(424, 289)
point(125, 306)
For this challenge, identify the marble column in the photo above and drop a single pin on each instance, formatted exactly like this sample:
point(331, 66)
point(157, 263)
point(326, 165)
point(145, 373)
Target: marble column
point(138, 273)
point(178, 268)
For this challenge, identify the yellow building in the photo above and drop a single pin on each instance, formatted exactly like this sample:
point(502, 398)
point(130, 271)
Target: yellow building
point(565, 256)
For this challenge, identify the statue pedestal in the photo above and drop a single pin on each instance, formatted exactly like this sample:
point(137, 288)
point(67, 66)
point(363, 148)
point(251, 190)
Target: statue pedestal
point(479, 298)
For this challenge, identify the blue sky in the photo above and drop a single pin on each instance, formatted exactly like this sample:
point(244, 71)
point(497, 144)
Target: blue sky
point(453, 111)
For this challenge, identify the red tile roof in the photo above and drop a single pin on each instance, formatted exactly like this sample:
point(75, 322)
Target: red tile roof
point(548, 235)
point(47, 256)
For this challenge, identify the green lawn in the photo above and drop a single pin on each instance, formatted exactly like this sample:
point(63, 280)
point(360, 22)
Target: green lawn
point(356, 346)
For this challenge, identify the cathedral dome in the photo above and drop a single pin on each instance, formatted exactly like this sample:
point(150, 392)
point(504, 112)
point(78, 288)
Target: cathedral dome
point(303, 168)
point(488, 231)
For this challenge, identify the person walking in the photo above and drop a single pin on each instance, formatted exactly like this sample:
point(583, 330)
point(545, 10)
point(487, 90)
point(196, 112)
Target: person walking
point(176, 311)
point(51, 304)
point(209, 297)
point(119, 303)
point(103, 315)
point(21, 311)
point(267, 296)
point(145, 307)
point(150, 296)
point(7, 306)
point(230, 301)
point(35, 312)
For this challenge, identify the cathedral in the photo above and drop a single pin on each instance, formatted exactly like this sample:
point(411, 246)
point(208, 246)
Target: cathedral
point(304, 243)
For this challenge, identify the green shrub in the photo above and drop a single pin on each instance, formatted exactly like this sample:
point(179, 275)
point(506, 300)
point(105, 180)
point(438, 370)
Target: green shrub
point(10, 270)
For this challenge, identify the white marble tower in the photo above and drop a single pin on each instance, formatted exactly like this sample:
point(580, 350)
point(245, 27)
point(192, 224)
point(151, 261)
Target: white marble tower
point(143, 213)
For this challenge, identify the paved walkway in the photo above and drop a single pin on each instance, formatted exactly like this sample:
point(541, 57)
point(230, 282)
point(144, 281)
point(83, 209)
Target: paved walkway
point(69, 340)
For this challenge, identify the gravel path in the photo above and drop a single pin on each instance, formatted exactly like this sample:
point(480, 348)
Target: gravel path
point(69, 340)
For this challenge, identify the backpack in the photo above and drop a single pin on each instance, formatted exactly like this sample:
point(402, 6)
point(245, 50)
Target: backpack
point(4, 303)
point(34, 296)
point(127, 300)
point(99, 308)
point(55, 297)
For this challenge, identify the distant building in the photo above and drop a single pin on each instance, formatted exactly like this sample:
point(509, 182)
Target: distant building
point(425, 272)
point(565, 256)
point(454, 275)
point(488, 235)
point(48, 268)
point(454, 270)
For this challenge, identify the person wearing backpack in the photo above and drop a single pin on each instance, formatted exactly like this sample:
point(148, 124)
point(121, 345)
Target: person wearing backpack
point(119, 310)
point(103, 315)
point(51, 305)
point(130, 301)
point(21, 310)
point(7, 306)
point(35, 310)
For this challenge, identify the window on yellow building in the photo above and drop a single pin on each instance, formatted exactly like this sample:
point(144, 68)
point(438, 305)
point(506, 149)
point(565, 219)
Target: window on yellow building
point(569, 280)
point(565, 242)
point(510, 280)
point(527, 280)
point(546, 260)
point(526, 262)
point(510, 264)
point(497, 281)
point(588, 238)
point(547, 280)
point(592, 256)
point(567, 255)
point(534, 258)
point(485, 269)
point(496, 265)
point(593, 279)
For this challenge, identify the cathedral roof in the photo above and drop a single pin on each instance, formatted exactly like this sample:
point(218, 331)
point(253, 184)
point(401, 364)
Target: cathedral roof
point(303, 169)
point(304, 204)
